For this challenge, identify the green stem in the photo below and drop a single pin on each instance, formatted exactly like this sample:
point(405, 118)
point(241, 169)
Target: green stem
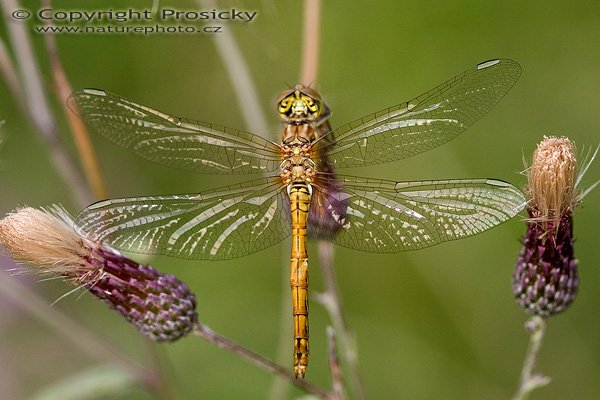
point(530, 381)
point(254, 358)
point(332, 302)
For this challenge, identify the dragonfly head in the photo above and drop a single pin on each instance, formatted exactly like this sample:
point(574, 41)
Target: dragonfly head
point(299, 103)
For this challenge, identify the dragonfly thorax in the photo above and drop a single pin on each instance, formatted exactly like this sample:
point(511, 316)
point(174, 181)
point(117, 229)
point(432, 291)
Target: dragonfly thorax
point(297, 166)
point(299, 108)
point(298, 134)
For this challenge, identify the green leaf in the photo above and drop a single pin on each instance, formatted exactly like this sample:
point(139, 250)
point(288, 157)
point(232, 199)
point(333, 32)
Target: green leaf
point(95, 383)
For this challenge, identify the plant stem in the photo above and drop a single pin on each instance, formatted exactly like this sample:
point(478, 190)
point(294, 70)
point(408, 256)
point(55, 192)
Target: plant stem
point(536, 326)
point(7, 68)
point(332, 302)
point(240, 77)
point(310, 42)
point(96, 347)
point(84, 145)
point(254, 358)
point(335, 369)
point(38, 107)
point(279, 388)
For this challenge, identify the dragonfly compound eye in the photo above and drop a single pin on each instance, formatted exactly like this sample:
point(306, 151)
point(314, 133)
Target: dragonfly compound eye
point(284, 106)
point(299, 105)
point(313, 105)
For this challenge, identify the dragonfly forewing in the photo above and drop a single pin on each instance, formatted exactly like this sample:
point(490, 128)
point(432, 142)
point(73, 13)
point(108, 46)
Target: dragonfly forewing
point(383, 216)
point(427, 121)
point(219, 224)
point(175, 141)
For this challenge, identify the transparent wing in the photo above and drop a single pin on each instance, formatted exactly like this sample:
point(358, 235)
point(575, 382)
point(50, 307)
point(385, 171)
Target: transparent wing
point(423, 123)
point(174, 141)
point(384, 216)
point(219, 224)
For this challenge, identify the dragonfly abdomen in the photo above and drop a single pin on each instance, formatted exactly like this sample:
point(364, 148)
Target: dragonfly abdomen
point(299, 193)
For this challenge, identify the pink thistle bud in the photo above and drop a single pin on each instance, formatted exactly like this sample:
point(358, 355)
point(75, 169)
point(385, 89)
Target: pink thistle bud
point(159, 305)
point(545, 280)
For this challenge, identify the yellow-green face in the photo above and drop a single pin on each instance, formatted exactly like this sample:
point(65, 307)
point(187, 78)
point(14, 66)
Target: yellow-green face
point(299, 103)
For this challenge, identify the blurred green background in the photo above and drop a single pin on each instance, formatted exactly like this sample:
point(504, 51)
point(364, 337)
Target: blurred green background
point(437, 323)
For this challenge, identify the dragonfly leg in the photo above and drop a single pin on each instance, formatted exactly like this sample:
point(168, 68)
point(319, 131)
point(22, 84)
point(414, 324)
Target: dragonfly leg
point(299, 285)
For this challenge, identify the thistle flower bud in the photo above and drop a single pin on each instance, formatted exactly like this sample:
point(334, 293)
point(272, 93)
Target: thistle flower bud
point(545, 280)
point(159, 305)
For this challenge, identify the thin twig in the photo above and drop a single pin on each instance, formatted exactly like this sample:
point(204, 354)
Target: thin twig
point(81, 137)
point(332, 302)
point(254, 358)
point(279, 388)
point(7, 69)
point(536, 326)
point(162, 365)
point(310, 42)
point(330, 298)
point(240, 77)
point(38, 107)
point(79, 336)
point(256, 121)
point(335, 369)
point(92, 172)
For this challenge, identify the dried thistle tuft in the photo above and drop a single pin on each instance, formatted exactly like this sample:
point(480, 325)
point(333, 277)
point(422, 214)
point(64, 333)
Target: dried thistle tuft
point(551, 180)
point(159, 305)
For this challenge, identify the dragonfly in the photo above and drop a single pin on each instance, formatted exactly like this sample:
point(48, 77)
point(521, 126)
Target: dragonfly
point(300, 193)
